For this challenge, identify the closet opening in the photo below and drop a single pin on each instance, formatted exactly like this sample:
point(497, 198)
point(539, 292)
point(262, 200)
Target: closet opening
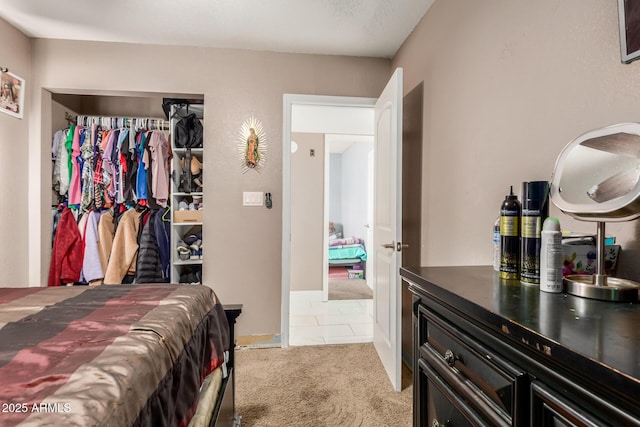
point(139, 122)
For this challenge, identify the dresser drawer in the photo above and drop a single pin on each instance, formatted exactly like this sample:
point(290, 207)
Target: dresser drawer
point(492, 384)
point(444, 407)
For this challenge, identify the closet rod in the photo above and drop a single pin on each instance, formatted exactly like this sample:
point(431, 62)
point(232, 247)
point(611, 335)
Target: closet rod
point(113, 122)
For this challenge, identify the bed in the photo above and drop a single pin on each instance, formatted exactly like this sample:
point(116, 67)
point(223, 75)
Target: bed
point(346, 252)
point(120, 355)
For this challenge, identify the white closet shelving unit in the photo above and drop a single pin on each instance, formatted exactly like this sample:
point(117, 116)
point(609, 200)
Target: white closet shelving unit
point(185, 222)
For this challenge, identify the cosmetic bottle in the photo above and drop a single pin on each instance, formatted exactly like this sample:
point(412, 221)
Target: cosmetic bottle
point(510, 237)
point(496, 244)
point(535, 209)
point(551, 256)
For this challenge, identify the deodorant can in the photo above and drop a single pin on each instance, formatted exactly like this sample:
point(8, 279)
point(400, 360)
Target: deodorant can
point(535, 209)
point(551, 256)
point(510, 237)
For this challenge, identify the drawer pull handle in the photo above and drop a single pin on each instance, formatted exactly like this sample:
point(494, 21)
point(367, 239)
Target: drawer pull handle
point(450, 358)
point(436, 423)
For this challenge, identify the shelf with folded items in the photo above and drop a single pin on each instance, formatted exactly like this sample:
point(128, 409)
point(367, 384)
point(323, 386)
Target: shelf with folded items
point(188, 273)
point(182, 201)
point(188, 172)
point(187, 248)
point(188, 209)
point(187, 193)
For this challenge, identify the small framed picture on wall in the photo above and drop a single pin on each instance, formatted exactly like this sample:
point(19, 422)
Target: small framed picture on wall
point(11, 94)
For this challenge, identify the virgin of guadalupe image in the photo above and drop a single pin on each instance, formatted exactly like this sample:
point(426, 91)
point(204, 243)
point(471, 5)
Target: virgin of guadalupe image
point(252, 145)
point(252, 155)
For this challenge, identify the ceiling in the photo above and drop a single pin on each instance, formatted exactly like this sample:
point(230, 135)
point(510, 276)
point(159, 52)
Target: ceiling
point(374, 28)
point(341, 125)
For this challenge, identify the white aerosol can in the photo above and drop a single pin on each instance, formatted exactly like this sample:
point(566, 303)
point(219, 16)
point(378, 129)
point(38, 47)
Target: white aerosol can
point(551, 256)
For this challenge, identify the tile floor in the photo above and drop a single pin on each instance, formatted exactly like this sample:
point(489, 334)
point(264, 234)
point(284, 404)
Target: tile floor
point(315, 322)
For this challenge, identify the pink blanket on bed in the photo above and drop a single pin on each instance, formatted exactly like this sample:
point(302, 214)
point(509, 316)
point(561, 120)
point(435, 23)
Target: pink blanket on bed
point(107, 355)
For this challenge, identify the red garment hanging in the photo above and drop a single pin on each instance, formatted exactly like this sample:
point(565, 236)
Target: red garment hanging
point(66, 256)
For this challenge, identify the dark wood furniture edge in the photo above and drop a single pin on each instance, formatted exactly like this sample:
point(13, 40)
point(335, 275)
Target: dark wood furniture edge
point(605, 380)
point(224, 413)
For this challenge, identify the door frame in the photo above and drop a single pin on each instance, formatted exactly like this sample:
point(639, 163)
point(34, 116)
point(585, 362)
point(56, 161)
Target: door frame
point(288, 101)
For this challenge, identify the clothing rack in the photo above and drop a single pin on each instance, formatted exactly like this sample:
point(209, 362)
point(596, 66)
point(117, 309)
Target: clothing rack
point(135, 123)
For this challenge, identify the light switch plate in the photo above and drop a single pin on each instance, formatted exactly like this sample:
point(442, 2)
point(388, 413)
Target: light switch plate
point(252, 198)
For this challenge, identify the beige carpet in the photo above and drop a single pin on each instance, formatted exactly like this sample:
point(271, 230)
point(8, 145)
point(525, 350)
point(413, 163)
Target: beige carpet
point(332, 385)
point(349, 289)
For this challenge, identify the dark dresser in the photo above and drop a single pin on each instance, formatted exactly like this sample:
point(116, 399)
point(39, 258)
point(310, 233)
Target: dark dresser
point(491, 352)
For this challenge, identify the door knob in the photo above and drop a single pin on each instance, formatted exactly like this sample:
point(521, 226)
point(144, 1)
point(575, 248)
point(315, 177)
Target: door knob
point(397, 246)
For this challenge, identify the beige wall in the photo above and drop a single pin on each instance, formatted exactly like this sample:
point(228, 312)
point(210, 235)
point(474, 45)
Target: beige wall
point(507, 84)
point(14, 154)
point(243, 244)
point(307, 212)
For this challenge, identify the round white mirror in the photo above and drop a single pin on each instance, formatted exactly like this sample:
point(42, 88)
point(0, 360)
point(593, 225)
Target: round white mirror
point(597, 175)
point(597, 178)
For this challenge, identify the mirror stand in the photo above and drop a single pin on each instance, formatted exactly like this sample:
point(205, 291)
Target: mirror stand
point(599, 286)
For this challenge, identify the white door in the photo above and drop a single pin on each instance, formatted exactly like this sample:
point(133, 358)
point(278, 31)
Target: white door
point(387, 217)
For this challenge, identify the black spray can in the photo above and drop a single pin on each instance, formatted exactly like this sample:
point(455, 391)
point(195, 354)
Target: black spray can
point(535, 209)
point(510, 237)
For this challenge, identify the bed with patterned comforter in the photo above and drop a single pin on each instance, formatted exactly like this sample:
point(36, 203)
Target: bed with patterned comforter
point(108, 355)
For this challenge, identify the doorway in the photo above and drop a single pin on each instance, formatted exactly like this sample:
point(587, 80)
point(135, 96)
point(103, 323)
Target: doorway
point(331, 302)
point(317, 118)
point(387, 239)
point(349, 198)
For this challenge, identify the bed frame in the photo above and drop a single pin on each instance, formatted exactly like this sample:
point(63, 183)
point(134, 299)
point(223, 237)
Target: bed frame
point(225, 411)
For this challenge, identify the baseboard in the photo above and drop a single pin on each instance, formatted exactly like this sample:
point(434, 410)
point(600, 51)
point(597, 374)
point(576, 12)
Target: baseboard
point(258, 341)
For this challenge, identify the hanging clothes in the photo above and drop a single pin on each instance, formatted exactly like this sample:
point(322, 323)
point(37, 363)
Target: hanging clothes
point(103, 173)
point(149, 267)
point(99, 192)
point(92, 270)
point(162, 226)
point(151, 201)
point(69, 147)
point(75, 185)
point(122, 169)
point(143, 162)
point(86, 152)
point(131, 177)
point(106, 233)
point(108, 168)
point(122, 261)
point(56, 214)
point(60, 170)
point(158, 147)
point(66, 255)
